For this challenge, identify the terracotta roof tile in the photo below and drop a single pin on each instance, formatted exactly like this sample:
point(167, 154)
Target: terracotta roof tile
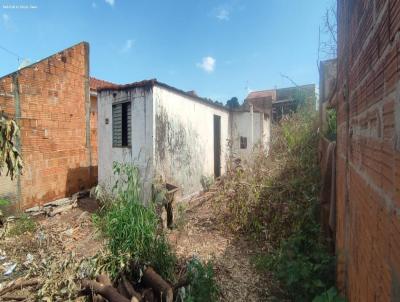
point(96, 84)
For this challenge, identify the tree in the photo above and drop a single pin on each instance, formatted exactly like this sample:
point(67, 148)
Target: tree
point(10, 158)
point(233, 103)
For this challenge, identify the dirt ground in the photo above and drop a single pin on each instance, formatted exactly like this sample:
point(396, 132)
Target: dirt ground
point(199, 233)
point(47, 251)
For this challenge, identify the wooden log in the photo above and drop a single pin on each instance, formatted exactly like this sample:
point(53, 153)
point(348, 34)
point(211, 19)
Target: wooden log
point(106, 291)
point(13, 298)
point(18, 284)
point(129, 288)
point(104, 279)
point(158, 284)
point(148, 295)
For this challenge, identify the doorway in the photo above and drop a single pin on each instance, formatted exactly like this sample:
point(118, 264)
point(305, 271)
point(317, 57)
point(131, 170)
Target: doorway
point(217, 146)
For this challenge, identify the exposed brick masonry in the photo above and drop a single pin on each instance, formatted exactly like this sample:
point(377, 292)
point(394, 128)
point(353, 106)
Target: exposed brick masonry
point(368, 156)
point(53, 100)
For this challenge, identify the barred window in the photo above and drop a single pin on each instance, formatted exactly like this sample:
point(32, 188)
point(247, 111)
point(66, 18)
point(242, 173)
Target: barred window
point(121, 124)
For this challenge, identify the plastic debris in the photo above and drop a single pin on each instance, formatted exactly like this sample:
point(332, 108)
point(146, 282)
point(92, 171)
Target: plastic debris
point(9, 268)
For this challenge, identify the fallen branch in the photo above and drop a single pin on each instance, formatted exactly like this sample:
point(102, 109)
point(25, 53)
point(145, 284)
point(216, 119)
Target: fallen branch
point(160, 286)
point(106, 291)
point(19, 284)
point(13, 298)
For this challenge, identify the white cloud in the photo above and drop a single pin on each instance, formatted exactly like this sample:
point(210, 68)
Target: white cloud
point(127, 46)
point(207, 64)
point(222, 14)
point(110, 2)
point(5, 18)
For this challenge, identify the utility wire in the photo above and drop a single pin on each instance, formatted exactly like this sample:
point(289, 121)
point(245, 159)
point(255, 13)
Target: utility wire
point(11, 53)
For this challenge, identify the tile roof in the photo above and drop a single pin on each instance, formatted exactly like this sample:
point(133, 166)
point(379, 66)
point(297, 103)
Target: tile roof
point(262, 94)
point(96, 84)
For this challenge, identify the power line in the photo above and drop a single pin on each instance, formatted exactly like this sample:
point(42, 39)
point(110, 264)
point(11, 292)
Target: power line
point(11, 53)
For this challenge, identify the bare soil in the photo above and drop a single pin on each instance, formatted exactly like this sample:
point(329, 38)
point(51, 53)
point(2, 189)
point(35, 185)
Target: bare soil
point(201, 234)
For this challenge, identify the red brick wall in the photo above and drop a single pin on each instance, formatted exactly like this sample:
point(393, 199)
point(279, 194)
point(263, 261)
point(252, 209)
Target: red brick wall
point(368, 150)
point(60, 158)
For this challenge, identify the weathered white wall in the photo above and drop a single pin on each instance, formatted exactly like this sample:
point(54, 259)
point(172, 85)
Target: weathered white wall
point(184, 139)
point(241, 126)
point(173, 137)
point(140, 153)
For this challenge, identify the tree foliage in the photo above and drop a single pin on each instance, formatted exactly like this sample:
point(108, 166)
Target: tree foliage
point(10, 158)
point(232, 103)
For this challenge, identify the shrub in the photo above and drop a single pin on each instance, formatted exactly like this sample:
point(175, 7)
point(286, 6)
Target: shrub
point(131, 228)
point(203, 286)
point(276, 197)
point(331, 295)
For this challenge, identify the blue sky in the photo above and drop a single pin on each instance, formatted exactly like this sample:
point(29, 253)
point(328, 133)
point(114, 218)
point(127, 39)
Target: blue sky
point(220, 49)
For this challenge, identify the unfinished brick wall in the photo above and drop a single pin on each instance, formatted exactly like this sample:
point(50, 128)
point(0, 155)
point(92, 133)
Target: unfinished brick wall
point(368, 150)
point(51, 102)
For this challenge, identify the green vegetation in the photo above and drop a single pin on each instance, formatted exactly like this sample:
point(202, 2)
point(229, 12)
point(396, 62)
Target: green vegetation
point(206, 182)
point(330, 131)
point(331, 295)
point(203, 286)
point(275, 196)
point(131, 228)
point(22, 225)
point(134, 238)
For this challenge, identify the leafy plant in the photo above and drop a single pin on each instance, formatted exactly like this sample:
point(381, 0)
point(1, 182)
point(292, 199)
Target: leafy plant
point(203, 286)
point(10, 158)
point(331, 295)
point(206, 182)
point(23, 224)
point(303, 265)
point(131, 228)
point(331, 124)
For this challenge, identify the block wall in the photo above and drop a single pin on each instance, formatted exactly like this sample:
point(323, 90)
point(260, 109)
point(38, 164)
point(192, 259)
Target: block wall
point(51, 102)
point(368, 150)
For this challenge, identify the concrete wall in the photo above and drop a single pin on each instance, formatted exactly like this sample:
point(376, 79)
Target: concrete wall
point(241, 126)
point(368, 150)
point(140, 153)
point(50, 101)
point(184, 139)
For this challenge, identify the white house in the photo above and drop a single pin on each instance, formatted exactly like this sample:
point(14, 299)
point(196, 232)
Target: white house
point(174, 135)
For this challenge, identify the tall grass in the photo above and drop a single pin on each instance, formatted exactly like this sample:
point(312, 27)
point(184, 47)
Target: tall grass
point(274, 198)
point(131, 229)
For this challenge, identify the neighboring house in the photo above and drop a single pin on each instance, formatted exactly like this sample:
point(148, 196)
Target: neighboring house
point(284, 99)
point(55, 106)
point(327, 87)
point(173, 135)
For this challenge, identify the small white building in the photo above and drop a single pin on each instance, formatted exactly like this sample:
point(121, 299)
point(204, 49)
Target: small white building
point(174, 135)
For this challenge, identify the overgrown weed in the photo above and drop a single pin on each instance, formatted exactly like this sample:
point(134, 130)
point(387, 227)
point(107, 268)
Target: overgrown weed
point(131, 228)
point(203, 286)
point(274, 198)
point(22, 225)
